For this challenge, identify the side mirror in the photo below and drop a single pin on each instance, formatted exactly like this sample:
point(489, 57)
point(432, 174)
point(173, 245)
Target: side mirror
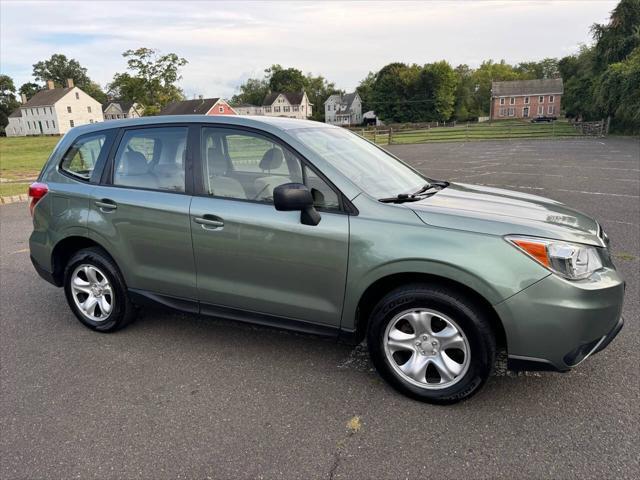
point(290, 197)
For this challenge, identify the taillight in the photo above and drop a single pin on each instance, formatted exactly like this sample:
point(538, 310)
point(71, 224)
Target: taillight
point(37, 191)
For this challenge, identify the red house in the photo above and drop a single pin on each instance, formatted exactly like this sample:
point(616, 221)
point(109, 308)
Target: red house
point(201, 106)
point(526, 98)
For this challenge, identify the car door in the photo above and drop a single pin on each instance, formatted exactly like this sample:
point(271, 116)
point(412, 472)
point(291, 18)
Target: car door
point(256, 261)
point(140, 211)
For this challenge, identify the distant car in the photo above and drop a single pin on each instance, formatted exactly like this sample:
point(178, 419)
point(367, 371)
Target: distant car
point(310, 227)
point(543, 119)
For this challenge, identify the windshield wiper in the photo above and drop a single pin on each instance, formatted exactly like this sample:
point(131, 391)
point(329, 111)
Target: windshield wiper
point(426, 190)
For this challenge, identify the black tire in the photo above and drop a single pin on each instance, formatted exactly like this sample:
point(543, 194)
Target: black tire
point(123, 311)
point(470, 319)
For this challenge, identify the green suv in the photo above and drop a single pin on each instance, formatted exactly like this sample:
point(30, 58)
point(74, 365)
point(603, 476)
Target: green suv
point(309, 227)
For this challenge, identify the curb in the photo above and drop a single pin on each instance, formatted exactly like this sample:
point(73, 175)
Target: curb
point(13, 199)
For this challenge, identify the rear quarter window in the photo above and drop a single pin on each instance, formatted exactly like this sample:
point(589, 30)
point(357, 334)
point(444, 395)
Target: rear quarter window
point(83, 156)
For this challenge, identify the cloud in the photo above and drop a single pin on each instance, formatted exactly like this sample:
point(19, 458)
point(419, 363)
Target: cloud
point(226, 42)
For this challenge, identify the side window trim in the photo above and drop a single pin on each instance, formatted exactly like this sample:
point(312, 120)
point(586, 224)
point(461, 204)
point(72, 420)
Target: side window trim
point(346, 207)
point(109, 135)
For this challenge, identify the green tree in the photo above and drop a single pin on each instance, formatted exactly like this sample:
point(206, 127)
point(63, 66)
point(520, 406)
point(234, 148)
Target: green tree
point(438, 82)
point(285, 79)
point(466, 106)
point(29, 89)
point(545, 68)
point(488, 72)
point(252, 91)
point(59, 68)
point(8, 102)
point(279, 79)
point(364, 89)
point(152, 81)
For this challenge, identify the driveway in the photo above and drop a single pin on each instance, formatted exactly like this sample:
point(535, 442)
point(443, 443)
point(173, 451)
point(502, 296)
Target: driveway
point(178, 396)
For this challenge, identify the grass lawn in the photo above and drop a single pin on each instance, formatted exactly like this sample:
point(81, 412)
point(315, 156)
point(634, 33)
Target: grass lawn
point(9, 189)
point(21, 158)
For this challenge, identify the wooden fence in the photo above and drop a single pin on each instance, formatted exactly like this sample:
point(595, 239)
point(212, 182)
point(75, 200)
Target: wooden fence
point(481, 131)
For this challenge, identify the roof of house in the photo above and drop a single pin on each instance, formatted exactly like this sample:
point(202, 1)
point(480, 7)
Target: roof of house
point(530, 87)
point(47, 97)
point(123, 106)
point(190, 107)
point(294, 98)
point(17, 113)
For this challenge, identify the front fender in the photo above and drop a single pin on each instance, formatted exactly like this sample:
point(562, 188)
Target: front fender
point(484, 263)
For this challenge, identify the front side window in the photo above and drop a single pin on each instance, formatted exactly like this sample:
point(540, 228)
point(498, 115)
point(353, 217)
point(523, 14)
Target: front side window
point(249, 166)
point(152, 158)
point(551, 110)
point(540, 99)
point(512, 111)
point(526, 100)
point(81, 158)
point(512, 101)
point(72, 123)
point(88, 109)
point(551, 98)
point(68, 109)
point(371, 168)
point(502, 101)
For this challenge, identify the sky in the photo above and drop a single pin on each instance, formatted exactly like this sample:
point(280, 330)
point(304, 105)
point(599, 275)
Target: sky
point(228, 42)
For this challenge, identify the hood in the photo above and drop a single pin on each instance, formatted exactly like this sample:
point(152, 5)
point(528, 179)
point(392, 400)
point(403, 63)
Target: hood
point(496, 211)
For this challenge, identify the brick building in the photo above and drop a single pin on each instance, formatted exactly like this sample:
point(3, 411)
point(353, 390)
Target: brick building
point(526, 98)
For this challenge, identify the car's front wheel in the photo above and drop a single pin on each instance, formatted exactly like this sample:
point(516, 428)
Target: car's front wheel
point(96, 291)
point(431, 343)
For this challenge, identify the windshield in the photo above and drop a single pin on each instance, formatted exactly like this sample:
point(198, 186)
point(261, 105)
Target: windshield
point(369, 167)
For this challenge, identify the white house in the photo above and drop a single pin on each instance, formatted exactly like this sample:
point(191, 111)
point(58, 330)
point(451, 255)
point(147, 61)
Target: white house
point(248, 109)
point(287, 104)
point(343, 109)
point(54, 111)
point(279, 104)
point(115, 109)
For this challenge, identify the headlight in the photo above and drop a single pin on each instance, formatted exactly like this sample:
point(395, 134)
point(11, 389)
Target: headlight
point(569, 260)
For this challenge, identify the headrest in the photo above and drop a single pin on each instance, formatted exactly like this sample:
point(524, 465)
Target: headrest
point(218, 165)
point(272, 159)
point(134, 163)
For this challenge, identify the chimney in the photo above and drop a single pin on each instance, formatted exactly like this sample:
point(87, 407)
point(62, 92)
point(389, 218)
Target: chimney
point(69, 82)
point(50, 85)
point(23, 97)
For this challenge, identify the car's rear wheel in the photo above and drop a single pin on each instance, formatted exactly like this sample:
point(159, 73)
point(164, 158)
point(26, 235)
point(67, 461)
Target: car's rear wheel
point(96, 291)
point(431, 343)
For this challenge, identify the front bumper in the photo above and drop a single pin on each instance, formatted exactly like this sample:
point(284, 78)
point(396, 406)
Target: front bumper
point(555, 324)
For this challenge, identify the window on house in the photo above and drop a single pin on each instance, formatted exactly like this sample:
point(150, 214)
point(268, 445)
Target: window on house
point(32, 112)
point(551, 98)
point(53, 123)
point(68, 109)
point(541, 99)
point(540, 110)
point(28, 125)
point(47, 122)
point(286, 108)
point(71, 123)
point(512, 111)
point(88, 109)
point(267, 109)
point(296, 108)
point(221, 109)
point(502, 112)
point(91, 120)
point(502, 100)
point(512, 101)
point(526, 100)
point(77, 96)
point(276, 109)
point(51, 110)
point(551, 110)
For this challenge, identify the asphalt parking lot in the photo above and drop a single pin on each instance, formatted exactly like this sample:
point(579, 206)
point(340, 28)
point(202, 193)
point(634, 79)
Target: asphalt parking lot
point(177, 396)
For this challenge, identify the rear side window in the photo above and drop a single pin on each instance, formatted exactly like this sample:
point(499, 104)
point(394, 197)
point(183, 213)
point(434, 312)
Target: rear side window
point(152, 158)
point(81, 159)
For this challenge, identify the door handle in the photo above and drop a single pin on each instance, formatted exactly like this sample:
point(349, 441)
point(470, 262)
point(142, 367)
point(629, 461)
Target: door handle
point(106, 205)
point(209, 222)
